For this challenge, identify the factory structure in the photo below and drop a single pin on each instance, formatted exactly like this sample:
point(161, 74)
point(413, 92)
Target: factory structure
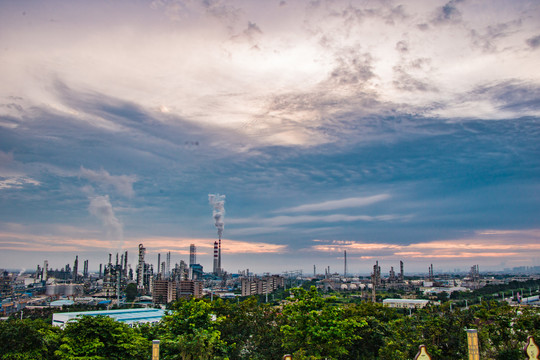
point(255, 285)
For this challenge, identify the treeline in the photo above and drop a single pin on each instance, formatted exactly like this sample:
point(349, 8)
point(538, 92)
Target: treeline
point(525, 288)
point(307, 325)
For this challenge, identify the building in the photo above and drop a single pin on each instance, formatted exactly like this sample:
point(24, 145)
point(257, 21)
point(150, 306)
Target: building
point(189, 288)
point(164, 292)
point(405, 303)
point(128, 316)
point(260, 286)
point(196, 271)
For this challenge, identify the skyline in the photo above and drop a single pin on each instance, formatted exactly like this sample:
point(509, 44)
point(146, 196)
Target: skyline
point(390, 130)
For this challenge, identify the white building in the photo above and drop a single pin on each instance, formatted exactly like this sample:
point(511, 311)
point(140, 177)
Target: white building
point(405, 303)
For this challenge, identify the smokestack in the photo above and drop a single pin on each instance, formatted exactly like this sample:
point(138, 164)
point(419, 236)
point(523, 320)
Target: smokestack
point(219, 255)
point(168, 268)
point(345, 268)
point(215, 257)
point(76, 268)
point(125, 264)
point(159, 263)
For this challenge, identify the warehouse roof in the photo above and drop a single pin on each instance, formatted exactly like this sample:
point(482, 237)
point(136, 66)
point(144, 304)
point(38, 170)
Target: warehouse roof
point(128, 316)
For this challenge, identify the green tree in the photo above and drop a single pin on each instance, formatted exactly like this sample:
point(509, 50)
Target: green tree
point(101, 337)
point(131, 292)
point(503, 329)
point(250, 329)
point(373, 335)
point(190, 332)
point(440, 329)
point(314, 328)
point(28, 339)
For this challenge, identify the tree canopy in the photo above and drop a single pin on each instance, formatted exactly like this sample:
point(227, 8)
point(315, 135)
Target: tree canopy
point(308, 324)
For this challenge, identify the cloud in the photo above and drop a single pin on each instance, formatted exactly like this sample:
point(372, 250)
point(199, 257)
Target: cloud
point(17, 182)
point(205, 246)
point(488, 38)
point(449, 13)
point(123, 184)
point(406, 82)
point(533, 42)
point(12, 175)
point(513, 244)
point(302, 219)
point(353, 68)
point(352, 202)
point(101, 208)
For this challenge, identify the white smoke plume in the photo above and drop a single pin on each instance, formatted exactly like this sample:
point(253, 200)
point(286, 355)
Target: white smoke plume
point(100, 207)
point(218, 204)
point(122, 184)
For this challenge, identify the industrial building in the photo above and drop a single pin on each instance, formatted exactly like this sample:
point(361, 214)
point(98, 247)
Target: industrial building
point(189, 288)
point(128, 316)
point(405, 303)
point(264, 285)
point(164, 292)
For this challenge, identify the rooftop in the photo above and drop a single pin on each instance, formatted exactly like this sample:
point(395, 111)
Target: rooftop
point(128, 316)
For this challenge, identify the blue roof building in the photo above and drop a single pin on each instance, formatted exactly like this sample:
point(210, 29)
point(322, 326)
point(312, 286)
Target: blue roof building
point(128, 316)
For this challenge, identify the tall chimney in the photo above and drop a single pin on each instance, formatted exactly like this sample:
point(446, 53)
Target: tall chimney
point(216, 258)
point(219, 255)
point(345, 267)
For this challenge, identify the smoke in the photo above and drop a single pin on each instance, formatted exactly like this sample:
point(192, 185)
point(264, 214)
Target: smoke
point(100, 207)
point(218, 204)
point(123, 184)
point(22, 272)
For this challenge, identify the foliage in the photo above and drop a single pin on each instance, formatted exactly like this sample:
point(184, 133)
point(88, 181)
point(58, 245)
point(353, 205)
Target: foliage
point(131, 292)
point(503, 329)
point(315, 329)
point(308, 325)
point(374, 334)
point(190, 332)
point(250, 329)
point(28, 339)
point(101, 337)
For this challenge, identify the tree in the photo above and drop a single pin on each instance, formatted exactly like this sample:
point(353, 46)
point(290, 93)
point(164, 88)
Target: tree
point(101, 337)
point(249, 328)
point(131, 292)
point(503, 329)
point(437, 327)
point(28, 339)
point(190, 332)
point(373, 335)
point(313, 328)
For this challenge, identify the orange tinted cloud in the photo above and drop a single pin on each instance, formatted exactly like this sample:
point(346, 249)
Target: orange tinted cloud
point(67, 239)
point(483, 244)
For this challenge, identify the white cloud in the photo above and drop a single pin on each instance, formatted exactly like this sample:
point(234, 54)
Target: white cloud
point(352, 202)
point(17, 182)
point(208, 75)
point(11, 174)
point(291, 220)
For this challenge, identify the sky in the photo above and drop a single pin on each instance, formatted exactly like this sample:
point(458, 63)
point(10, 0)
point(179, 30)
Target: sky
point(392, 130)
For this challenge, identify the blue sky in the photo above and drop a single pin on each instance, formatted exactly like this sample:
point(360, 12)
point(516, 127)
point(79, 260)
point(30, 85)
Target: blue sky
point(392, 130)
